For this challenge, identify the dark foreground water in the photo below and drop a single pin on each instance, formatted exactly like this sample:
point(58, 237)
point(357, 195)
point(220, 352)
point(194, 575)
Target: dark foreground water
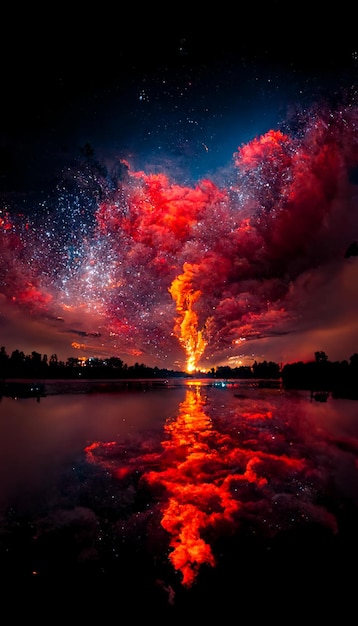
point(190, 501)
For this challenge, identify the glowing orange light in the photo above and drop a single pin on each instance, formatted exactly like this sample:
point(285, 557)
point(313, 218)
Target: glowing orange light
point(204, 476)
point(186, 327)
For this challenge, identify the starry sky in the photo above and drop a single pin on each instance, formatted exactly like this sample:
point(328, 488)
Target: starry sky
point(171, 185)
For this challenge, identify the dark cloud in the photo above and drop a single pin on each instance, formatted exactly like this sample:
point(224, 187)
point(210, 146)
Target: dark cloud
point(352, 250)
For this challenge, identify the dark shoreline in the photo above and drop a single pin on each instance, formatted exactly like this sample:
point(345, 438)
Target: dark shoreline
point(24, 388)
point(41, 387)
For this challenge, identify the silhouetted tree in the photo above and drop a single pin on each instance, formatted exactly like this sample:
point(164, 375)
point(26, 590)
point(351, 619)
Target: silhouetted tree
point(53, 359)
point(266, 369)
point(115, 361)
point(73, 362)
point(4, 361)
point(17, 358)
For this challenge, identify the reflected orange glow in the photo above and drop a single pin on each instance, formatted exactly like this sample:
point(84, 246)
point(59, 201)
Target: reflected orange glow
point(214, 469)
point(194, 502)
point(186, 327)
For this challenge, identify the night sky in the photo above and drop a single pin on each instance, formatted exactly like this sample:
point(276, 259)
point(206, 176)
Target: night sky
point(175, 186)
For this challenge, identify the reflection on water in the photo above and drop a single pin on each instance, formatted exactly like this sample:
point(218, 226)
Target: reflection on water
point(179, 489)
point(263, 462)
point(37, 439)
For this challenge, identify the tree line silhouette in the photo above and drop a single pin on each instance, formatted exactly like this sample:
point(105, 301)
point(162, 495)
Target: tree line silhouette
point(338, 377)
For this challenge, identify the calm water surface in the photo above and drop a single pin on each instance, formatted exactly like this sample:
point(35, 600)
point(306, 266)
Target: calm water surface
point(38, 439)
point(183, 496)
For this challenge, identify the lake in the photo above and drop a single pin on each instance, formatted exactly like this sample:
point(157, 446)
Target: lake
point(178, 499)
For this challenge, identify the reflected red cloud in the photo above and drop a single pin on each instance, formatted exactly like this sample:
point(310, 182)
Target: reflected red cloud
point(212, 471)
